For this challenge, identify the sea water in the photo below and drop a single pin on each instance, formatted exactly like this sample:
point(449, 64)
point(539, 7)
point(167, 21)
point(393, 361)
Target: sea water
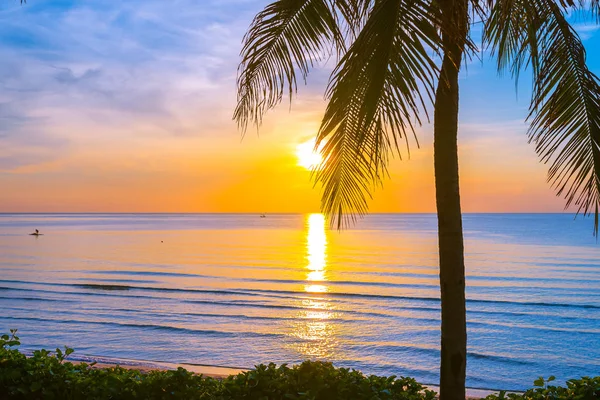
point(238, 290)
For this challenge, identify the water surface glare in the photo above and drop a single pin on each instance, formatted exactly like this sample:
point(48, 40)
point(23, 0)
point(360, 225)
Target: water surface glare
point(237, 290)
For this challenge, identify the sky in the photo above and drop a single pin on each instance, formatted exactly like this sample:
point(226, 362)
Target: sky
point(126, 106)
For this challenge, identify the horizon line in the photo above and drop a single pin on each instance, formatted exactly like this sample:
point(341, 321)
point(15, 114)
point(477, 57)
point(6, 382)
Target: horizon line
point(271, 213)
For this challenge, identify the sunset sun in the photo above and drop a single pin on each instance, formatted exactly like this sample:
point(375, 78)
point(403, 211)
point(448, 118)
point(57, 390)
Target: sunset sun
point(307, 156)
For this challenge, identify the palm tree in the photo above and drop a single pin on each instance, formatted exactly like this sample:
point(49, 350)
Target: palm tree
point(396, 59)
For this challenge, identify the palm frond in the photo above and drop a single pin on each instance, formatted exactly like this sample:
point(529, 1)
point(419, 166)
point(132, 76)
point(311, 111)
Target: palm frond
point(354, 13)
point(565, 106)
point(286, 37)
point(374, 103)
point(592, 6)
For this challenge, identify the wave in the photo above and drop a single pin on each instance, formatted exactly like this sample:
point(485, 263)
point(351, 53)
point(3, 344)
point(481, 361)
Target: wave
point(264, 317)
point(592, 264)
point(166, 328)
point(393, 348)
point(533, 303)
point(512, 314)
point(117, 281)
point(437, 299)
point(435, 351)
point(299, 308)
point(102, 286)
point(258, 305)
point(513, 326)
point(10, 288)
point(147, 273)
point(293, 293)
point(358, 283)
point(72, 293)
point(36, 299)
point(115, 287)
point(498, 358)
point(137, 313)
point(291, 281)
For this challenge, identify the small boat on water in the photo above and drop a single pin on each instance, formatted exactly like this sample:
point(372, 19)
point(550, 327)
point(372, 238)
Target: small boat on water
point(263, 216)
point(36, 233)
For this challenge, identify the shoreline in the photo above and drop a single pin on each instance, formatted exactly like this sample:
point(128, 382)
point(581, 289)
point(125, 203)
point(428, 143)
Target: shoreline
point(215, 371)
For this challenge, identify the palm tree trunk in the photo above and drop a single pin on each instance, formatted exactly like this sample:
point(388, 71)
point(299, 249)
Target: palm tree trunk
point(450, 232)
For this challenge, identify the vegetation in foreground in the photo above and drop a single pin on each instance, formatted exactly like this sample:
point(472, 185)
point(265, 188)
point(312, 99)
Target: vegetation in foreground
point(47, 375)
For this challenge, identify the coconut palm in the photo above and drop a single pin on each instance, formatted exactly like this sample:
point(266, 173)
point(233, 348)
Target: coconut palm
point(396, 61)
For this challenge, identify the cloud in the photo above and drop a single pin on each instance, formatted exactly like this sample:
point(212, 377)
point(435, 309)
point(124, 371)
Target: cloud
point(145, 89)
point(586, 30)
point(148, 68)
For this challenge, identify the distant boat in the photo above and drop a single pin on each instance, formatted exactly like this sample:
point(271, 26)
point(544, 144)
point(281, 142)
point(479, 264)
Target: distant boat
point(36, 233)
point(263, 216)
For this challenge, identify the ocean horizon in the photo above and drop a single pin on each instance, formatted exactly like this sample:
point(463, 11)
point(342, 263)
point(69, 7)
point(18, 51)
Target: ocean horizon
point(236, 290)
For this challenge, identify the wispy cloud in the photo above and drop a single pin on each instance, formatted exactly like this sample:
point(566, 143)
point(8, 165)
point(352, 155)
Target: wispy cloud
point(159, 68)
point(586, 30)
point(97, 91)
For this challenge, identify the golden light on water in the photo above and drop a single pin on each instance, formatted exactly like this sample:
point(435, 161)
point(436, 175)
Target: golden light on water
point(316, 248)
point(315, 288)
point(314, 325)
point(307, 156)
point(315, 329)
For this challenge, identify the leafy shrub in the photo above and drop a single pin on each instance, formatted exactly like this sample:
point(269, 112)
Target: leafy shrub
point(319, 380)
point(577, 389)
point(47, 375)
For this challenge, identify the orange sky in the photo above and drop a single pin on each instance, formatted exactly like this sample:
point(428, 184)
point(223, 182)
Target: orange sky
point(258, 174)
point(134, 115)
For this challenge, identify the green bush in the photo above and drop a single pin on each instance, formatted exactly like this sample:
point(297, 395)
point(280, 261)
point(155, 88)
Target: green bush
point(47, 375)
point(577, 389)
point(319, 380)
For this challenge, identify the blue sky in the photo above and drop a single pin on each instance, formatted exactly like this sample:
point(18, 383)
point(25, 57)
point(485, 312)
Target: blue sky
point(107, 94)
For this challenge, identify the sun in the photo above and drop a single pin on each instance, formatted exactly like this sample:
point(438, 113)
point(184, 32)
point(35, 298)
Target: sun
point(307, 156)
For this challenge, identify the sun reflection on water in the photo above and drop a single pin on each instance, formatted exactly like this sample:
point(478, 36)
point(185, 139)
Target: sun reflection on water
point(315, 330)
point(316, 247)
point(314, 326)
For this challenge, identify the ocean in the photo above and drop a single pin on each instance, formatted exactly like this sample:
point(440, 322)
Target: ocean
point(237, 290)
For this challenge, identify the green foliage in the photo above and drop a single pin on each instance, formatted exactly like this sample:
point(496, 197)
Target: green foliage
point(577, 389)
point(9, 340)
point(319, 380)
point(564, 111)
point(47, 375)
